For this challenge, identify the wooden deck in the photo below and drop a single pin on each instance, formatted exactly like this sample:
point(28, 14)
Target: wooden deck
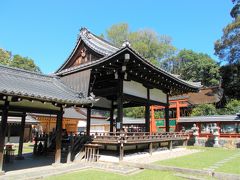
point(121, 140)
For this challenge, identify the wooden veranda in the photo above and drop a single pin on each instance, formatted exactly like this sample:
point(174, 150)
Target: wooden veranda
point(123, 140)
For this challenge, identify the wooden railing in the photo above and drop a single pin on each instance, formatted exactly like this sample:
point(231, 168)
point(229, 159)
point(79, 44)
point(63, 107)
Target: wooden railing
point(137, 137)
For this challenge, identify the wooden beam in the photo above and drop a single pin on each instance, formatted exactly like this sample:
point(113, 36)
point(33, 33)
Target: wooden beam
point(3, 126)
point(21, 139)
point(88, 121)
point(31, 110)
point(59, 136)
point(105, 91)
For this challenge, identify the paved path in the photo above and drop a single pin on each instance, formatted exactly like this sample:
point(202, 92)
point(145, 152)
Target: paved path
point(146, 158)
point(222, 162)
point(50, 170)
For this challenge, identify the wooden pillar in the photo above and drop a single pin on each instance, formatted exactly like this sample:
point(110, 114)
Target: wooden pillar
point(3, 126)
point(121, 152)
point(21, 139)
point(147, 112)
point(30, 133)
point(167, 114)
point(170, 145)
point(177, 110)
point(120, 105)
point(88, 121)
point(59, 136)
point(111, 118)
point(9, 133)
point(150, 148)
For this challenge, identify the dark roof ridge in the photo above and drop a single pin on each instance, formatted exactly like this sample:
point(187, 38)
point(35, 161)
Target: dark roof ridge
point(102, 39)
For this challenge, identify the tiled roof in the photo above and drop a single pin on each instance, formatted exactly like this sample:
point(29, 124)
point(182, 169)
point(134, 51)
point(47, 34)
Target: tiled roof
point(219, 118)
point(17, 120)
point(21, 83)
point(208, 95)
point(96, 43)
point(127, 48)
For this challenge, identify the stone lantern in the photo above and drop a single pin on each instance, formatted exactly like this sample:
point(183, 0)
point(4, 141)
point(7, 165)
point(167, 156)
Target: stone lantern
point(195, 134)
point(216, 134)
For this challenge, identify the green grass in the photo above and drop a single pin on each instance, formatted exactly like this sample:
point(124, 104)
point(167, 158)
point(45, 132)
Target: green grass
point(232, 166)
point(103, 175)
point(204, 159)
point(27, 148)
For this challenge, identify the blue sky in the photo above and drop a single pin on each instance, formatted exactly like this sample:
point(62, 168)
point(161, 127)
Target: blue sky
point(46, 31)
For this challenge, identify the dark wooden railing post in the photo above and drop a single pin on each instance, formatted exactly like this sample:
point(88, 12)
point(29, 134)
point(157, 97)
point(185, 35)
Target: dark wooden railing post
point(3, 126)
point(21, 139)
point(58, 136)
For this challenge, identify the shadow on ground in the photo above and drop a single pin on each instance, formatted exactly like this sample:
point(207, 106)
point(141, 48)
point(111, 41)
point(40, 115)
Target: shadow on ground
point(29, 161)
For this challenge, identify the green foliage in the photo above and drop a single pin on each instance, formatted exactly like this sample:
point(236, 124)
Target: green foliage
point(17, 61)
point(148, 43)
point(228, 47)
point(232, 107)
point(204, 110)
point(235, 12)
point(231, 80)
point(4, 57)
point(158, 114)
point(192, 66)
point(135, 112)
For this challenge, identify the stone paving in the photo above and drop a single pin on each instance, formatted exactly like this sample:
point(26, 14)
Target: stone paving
point(22, 169)
point(222, 162)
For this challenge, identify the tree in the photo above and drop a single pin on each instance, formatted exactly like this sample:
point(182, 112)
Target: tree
point(135, 112)
point(17, 61)
point(4, 57)
point(24, 63)
point(231, 80)
point(228, 47)
point(204, 110)
point(192, 66)
point(235, 12)
point(232, 107)
point(148, 43)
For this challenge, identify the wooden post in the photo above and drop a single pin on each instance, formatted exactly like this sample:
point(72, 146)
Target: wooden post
point(167, 114)
point(121, 152)
point(88, 121)
point(21, 139)
point(30, 133)
point(147, 112)
point(177, 110)
point(170, 145)
point(120, 104)
point(59, 136)
point(3, 126)
point(150, 148)
point(111, 118)
point(9, 133)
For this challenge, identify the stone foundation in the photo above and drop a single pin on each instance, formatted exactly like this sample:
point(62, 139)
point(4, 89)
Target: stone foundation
point(223, 142)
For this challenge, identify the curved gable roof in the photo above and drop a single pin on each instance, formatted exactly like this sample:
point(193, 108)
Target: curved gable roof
point(95, 43)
